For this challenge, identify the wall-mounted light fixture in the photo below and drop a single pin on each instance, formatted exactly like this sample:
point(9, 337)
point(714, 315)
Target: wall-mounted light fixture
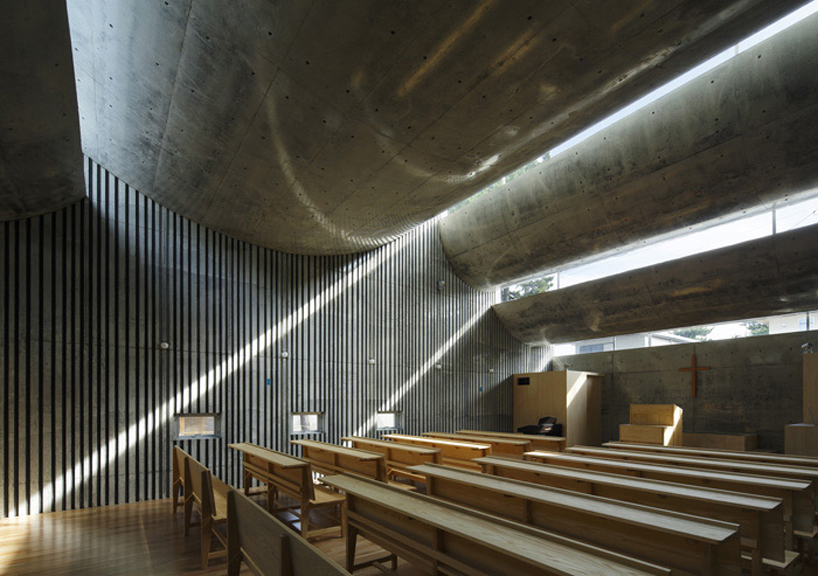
point(438, 366)
point(491, 370)
point(371, 361)
point(164, 345)
point(441, 284)
point(285, 354)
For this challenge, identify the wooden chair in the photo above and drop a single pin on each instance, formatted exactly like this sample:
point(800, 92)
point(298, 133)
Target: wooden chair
point(538, 441)
point(267, 546)
point(453, 453)
point(209, 495)
point(291, 476)
point(399, 457)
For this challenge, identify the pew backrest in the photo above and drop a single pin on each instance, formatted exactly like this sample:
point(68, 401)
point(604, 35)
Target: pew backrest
point(266, 545)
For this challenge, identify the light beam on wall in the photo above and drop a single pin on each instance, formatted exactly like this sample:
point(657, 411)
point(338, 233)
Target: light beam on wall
point(128, 438)
point(412, 381)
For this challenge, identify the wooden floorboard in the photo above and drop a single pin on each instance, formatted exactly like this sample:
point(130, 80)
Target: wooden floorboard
point(143, 538)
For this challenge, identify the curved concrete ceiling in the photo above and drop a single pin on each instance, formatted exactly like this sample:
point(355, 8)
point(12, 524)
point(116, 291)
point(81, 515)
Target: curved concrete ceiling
point(40, 156)
point(741, 136)
point(772, 275)
point(332, 127)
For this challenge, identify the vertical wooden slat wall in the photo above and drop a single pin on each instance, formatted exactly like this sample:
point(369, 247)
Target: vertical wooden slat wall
point(90, 293)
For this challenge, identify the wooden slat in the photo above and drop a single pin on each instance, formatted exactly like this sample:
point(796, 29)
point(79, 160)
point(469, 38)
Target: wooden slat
point(682, 542)
point(448, 538)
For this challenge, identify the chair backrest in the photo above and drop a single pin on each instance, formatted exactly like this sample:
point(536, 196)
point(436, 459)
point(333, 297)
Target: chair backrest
point(178, 464)
point(198, 481)
point(268, 546)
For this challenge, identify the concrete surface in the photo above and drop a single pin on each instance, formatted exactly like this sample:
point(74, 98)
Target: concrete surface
point(764, 277)
point(333, 127)
point(753, 386)
point(741, 136)
point(40, 155)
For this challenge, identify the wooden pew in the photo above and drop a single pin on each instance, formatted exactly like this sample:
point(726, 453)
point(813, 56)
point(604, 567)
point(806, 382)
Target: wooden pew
point(291, 476)
point(796, 495)
point(209, 495)
point(453, 453)
point(687, 544)
point(267, 546)
point(178, 477)
point(758, 468)
point(762, 457)
point(760, 518)
point(440, 537)
point(538, 441)
point(806, 538)
point(399, 457)
point(510, 448)
point(333, 459)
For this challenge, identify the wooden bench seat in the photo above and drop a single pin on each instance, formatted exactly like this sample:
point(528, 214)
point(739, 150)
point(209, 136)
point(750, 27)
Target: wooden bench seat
point(508, 447)
point(444, 538)
point(762, 457)
point(796, 495)
point(291, 476)
point(267, 546)
point(538, 441)
point(399, 457)
point(453, 453)
point(687, 544)
point(808, 474)
point(333, 459)
point(760, 518)
point(209, 495)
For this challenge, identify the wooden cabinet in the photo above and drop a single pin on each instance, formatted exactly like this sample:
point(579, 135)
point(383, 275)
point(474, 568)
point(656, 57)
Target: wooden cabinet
point(573, 398)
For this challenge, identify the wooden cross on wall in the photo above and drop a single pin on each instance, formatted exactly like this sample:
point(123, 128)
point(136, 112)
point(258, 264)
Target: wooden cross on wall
point(693, 369)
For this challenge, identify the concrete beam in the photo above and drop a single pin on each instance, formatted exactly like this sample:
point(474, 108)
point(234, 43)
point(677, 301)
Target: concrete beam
point(742, 136)
point(40, 157)
point(332, 127)
point(773, 275)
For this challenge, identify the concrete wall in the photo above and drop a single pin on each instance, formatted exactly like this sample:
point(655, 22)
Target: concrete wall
point(754, 384)
point(89, 294)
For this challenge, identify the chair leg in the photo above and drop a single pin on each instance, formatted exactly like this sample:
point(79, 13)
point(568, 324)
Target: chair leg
point(188, 511)
point(305, 519)
point(207, 536)
point(352, 536)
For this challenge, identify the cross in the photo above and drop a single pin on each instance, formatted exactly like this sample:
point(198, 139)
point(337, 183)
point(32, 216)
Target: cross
point(693, 369)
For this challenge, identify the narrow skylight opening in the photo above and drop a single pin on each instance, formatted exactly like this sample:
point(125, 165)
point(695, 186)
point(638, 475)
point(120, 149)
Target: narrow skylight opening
point(695, 72)
point(690, 75)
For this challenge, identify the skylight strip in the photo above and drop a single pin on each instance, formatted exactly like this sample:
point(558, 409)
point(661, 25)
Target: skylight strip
point(692, 74)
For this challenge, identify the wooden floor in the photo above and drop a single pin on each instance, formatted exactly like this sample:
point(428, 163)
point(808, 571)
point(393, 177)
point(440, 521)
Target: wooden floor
point(143, 538)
